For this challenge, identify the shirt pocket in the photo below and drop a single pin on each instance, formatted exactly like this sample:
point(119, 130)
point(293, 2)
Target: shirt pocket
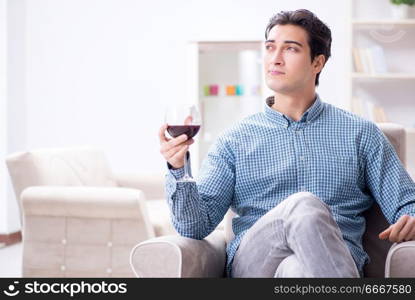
point(334, 176)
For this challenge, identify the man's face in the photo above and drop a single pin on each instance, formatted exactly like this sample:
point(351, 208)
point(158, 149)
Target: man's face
point(287, 62)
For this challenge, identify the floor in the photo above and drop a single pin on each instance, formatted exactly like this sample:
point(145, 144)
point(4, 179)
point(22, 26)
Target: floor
point(11, 261)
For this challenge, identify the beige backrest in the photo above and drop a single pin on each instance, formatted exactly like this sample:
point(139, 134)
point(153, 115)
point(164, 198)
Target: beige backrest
point(74, 166)
point(397, 137)
point(375, 220)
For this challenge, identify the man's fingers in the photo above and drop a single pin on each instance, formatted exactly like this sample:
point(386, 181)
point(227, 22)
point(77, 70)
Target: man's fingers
point(174, 150)
point(385, 234)
point(397, 227)
point(168, 154)
point(177, 141)
point(178, 158)
point(162, 136)
point(411, 235)
point(171, 143)
point(405, 233)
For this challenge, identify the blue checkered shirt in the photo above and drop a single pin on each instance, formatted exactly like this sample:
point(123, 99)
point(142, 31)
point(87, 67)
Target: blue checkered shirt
point(343, 159)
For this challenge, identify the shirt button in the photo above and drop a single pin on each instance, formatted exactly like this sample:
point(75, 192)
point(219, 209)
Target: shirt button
point(302, 158)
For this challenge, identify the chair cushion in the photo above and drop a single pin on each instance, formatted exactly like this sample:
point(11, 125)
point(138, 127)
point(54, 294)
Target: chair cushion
point(75, 166)
point(376, 248)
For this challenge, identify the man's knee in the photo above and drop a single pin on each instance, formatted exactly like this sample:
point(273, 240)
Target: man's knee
point(306, 205)
point(305, 211)
point(304, 201)
point(301, 196)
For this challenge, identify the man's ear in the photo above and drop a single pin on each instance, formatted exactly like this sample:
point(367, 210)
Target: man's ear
point(319, 62)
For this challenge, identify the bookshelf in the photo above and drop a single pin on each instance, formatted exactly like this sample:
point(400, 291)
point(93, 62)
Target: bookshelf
point(382, 67)
point(384, 76)
point(226, 82)
point(374, 22)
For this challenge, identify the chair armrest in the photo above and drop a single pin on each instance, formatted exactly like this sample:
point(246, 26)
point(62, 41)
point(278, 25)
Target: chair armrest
point(151, 184)
point(89, 202)
point(177, 256)
point(400, 261)
point(396, 135)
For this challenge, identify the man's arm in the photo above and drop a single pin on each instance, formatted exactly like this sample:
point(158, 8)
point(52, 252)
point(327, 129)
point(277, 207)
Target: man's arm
point(391, 186)
point(196, 209)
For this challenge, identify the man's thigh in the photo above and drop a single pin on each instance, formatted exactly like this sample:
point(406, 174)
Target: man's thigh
point(261, 250)
point(265, 244)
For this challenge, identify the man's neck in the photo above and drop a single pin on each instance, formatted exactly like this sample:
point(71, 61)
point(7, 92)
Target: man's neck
point(293, 105)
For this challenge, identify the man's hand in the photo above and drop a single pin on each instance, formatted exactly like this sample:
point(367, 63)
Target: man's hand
point(403, 230)
point(174, 150)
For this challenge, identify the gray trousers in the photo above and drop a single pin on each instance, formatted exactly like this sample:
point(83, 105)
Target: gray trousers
point(297, 238)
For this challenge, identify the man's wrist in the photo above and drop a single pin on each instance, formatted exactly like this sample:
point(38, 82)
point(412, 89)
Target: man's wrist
point(172, 167)
point(177, 173)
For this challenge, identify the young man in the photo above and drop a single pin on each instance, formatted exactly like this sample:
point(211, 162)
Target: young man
point(299, 175)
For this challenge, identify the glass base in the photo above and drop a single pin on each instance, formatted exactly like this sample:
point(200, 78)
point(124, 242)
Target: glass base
point(186, 179)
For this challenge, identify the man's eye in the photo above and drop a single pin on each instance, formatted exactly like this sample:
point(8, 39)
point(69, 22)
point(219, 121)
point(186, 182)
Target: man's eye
point(292, 49)
point(268, 47)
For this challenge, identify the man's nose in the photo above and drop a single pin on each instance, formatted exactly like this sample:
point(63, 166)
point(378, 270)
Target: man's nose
point(277, 58)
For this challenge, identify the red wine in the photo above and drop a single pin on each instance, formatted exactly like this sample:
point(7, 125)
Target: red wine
point(189, 130)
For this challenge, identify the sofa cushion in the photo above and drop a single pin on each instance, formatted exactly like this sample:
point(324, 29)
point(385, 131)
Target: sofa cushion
point(76, 166)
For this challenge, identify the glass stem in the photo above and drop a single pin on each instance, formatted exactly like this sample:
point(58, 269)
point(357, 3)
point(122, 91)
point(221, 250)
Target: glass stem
point(186, 166)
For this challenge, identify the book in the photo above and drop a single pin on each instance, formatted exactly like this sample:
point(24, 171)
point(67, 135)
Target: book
point(370, 60)
point(378, 59)
point(358, 67)
point(364, 56)
point(369, 110)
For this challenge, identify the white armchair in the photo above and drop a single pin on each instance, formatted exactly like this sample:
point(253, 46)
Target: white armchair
point(78, 218)
point(177, 256)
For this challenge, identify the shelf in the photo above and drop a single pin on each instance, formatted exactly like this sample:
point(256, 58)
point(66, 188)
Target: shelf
point(371, 26)
point(404, 22)
point(383, 76)
point(226, 46)
point(229, 98)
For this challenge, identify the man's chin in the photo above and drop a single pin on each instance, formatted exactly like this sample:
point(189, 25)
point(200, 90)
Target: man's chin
point(281, 89)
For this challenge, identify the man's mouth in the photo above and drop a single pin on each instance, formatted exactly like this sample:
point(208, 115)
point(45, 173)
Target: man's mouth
point(274, 72)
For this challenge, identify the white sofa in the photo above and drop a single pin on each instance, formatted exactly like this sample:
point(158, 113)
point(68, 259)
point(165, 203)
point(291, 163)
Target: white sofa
point(79, 219)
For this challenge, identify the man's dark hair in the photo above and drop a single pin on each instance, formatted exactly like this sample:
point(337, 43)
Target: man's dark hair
point(319, 34)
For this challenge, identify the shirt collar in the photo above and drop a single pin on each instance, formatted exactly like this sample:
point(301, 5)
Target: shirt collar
point(309, 115)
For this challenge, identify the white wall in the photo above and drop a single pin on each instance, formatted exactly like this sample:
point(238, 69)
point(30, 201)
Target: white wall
point(99, 72)
point(12, 106)
point(9, 133)
point(3, 114)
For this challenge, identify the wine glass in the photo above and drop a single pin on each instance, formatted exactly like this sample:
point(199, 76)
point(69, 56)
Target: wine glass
point(183, 119)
